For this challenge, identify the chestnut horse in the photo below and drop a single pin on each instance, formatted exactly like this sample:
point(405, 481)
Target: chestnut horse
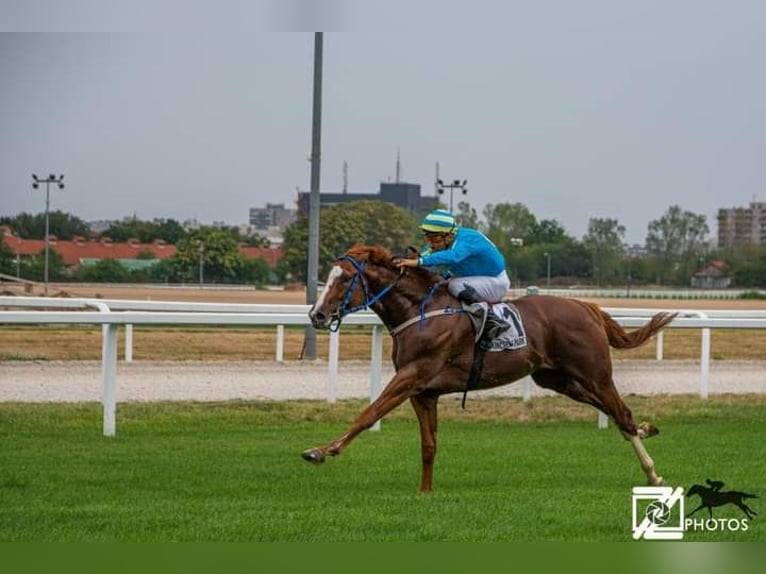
point(433, 346)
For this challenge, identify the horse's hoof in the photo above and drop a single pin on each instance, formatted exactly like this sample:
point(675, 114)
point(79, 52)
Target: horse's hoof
point(313, 455)
point(647, 430)
point(659, 482)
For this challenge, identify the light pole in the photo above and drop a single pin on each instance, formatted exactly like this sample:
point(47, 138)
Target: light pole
point(456, 184)
point(312, 281)
point(36, 181)
point(514, 242)
point(201, 263)
point(548, 280)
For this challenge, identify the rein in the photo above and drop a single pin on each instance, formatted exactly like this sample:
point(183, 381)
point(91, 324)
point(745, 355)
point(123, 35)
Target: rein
point(344, 309)
point(369, 300)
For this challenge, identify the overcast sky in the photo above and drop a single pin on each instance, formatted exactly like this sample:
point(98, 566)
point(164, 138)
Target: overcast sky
point(576, 109)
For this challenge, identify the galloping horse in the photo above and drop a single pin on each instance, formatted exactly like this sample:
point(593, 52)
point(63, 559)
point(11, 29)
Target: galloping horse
point(710, 497)
point(433, 348)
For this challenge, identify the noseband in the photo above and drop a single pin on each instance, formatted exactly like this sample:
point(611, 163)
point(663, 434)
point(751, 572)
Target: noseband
point(344, 308)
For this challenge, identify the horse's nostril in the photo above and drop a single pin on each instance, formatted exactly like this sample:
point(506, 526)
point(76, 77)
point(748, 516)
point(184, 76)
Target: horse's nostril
point(318, 317)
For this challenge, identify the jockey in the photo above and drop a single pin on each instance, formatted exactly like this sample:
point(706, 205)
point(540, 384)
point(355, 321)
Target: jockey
point(476, 266)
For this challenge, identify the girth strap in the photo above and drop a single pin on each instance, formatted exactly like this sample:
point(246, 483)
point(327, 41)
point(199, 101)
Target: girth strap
point(477, 366)
point(409, 322)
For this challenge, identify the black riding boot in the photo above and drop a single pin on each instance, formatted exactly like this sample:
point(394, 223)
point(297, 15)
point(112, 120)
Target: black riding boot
point(493, 326)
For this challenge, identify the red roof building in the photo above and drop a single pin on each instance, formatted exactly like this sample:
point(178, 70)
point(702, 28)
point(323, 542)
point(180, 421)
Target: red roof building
point(74, 251)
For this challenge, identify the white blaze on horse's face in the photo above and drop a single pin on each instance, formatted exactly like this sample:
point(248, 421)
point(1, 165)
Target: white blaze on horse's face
point(318, 318)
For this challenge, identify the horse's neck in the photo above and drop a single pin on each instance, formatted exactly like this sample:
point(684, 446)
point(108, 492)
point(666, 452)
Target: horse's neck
point(404, 302)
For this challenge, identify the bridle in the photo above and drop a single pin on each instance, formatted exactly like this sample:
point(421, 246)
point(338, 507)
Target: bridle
point(369, 300)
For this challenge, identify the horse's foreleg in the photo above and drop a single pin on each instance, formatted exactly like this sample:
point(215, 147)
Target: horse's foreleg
point(398, 390)
point(426, 408)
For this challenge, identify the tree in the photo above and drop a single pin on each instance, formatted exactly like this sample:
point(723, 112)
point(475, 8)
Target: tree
point(604, 241)
point(169, 230)
point(34, 267)
point(104, 271)
point(255, 271)
point(169, 270)
point(506, 223)
point(466, 215)
point(255, 240)
point(62, 225)
point(748, 266)
point(217, 249)
point(548, 231)
point(676, 241)
point(7, 259)
point(341, 226)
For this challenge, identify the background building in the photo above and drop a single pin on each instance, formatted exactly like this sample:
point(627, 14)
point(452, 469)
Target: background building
point(742, 226)
point(273, 215)
point(406, 195)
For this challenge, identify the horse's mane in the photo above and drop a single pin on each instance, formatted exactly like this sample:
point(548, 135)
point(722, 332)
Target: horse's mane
point(382, 257)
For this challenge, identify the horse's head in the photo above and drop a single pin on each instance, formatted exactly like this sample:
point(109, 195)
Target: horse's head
point(356, 281)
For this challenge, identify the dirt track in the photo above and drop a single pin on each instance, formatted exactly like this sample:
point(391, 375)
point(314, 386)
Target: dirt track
point(147, 380)
point(74, 381)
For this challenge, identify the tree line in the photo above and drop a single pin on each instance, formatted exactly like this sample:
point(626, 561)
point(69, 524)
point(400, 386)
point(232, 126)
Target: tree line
point(208, 253)
point(677, 245)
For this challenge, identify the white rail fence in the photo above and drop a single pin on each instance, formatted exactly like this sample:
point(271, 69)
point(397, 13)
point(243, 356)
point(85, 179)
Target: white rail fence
point(111, 314)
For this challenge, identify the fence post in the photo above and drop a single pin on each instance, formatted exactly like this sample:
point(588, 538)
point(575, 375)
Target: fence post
point(332, 366)
point(660, 341)
point(376, 360)
point(527, 389)
point(705, 364)
point(109, 373)
point(280, 343)
point(128, 343)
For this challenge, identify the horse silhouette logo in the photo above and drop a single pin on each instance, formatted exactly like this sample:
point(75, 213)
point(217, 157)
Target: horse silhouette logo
point(712, 495)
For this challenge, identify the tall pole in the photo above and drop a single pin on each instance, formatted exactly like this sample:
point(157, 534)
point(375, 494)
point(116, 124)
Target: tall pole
point(47, 231)
point(548, 280)
point(456, 184)
point(201, 263)
point(309, 350)
point(36, 181)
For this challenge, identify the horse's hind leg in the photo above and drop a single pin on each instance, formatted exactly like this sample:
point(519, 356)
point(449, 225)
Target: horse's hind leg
point(604, 396)
point(749, 512)
point(623, 418)
point(425, 407)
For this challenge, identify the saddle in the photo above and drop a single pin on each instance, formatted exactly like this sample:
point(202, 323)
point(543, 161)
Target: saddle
point(507, 336)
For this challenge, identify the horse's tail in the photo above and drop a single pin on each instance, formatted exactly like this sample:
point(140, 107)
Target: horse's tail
point(619, 338)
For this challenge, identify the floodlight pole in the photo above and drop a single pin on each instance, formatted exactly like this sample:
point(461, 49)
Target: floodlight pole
point(201, 263)
point(456, 184)
point(548, 280)
point(36, 181)
point(309, 349)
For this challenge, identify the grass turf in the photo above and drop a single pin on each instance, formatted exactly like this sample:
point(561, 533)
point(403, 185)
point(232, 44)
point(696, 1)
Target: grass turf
point(233, 472)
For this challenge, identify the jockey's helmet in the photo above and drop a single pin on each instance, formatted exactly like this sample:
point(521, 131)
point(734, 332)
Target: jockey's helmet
point(438, 221)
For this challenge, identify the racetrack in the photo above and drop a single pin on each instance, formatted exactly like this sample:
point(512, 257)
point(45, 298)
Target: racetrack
point(64, 381)
point(75, 381)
